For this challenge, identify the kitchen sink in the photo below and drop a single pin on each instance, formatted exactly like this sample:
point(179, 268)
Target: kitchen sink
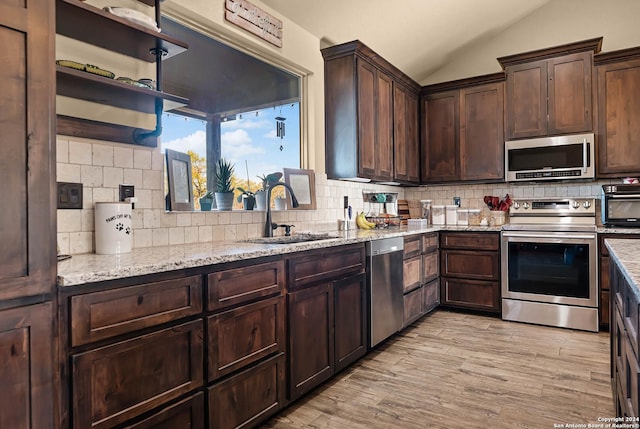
point(296, 238)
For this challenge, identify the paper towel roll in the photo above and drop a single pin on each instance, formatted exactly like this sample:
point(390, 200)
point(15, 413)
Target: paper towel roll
point(113, 228)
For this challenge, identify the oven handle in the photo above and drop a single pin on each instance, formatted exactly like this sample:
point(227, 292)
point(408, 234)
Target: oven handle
point(556, 235)
point(584, 155)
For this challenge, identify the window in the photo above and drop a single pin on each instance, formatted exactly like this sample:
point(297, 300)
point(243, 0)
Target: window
point(241, 109)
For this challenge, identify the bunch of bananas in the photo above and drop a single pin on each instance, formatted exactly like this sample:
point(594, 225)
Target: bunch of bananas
point(363, 223)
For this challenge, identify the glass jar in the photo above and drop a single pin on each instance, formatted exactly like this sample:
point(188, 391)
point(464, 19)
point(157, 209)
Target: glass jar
point(451, 215)
point(475, 217)
point(463, 217)
point(426, 210)
point(498, 218)
point(437, 215)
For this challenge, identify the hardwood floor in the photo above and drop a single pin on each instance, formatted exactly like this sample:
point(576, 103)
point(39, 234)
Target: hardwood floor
point(455, 370)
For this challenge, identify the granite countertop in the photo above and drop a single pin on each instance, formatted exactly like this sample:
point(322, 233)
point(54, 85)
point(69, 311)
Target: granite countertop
point(90, 268)
point(626, 254)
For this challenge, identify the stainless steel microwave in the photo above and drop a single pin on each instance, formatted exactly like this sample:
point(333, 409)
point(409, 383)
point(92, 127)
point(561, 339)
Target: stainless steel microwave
point(621, 205)
point(550, 158)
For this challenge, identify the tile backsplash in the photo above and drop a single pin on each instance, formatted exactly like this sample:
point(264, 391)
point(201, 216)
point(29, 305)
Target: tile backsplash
point(102, 166)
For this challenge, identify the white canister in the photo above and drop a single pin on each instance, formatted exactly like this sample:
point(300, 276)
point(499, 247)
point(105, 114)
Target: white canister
point(451, 215)
point(463, 217)
point(113, 228)
point(437, 215)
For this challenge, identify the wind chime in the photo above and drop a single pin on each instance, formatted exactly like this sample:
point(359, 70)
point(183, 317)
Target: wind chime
point(280, 128)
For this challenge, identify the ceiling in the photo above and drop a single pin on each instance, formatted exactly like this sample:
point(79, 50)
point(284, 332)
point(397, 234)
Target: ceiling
point(417, 36)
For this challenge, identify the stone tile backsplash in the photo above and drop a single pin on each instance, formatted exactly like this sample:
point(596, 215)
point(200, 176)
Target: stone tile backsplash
point(102, 166)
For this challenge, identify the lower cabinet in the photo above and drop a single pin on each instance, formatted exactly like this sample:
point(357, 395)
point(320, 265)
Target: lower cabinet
point(604, 308)
point(26, 367)
point(115, 383)
point(186, 414)
point(470, 270)
point(249, 397)
point(420, 276)
point(350, 322)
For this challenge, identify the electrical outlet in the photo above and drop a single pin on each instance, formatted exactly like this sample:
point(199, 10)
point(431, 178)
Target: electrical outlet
point(126, 191)
point(456, 201)
point(69, 195)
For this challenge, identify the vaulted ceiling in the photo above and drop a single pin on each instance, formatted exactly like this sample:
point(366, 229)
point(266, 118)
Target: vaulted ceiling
point(417, 36)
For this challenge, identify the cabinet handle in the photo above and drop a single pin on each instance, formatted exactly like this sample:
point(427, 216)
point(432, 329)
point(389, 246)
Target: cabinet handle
point(140, 300)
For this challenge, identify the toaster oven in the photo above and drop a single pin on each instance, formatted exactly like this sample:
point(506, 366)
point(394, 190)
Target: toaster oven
point(621, 205)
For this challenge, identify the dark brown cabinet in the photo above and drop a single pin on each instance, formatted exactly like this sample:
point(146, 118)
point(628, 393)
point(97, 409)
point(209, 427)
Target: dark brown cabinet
point(364, 97)
point(549, 90)
point(28, 222)
point(470, 270)
point(604, 308)
point(625, 368)
point(186, 414)
point(618, 89)
point(420, 276)
point(462, 130)
point(326, 315)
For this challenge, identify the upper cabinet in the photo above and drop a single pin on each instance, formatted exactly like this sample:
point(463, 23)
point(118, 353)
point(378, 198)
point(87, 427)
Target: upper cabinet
point(549, 90)
point(618, 91)
point(89, 24)
point(462, 130)
point(370, 117)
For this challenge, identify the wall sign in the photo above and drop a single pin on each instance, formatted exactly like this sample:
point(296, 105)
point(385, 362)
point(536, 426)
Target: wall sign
point(255, 20)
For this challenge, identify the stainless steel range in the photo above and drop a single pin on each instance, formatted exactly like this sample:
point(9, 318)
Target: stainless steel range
point(549, 263)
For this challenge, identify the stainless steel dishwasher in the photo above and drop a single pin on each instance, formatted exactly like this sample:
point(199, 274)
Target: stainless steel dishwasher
point(384, 283)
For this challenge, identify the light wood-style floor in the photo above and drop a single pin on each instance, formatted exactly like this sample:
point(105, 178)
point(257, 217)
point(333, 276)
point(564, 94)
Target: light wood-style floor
point(456, 370)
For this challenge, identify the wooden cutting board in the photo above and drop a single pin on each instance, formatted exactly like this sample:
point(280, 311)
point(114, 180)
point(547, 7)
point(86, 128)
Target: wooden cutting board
point(403, 211)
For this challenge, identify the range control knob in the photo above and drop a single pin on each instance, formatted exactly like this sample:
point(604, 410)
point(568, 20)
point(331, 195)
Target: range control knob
point(575, 204)
point(516, 205)
point(587, 204)
point(525, 205)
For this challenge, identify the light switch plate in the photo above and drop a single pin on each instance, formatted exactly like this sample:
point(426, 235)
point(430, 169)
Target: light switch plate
point(69, 195)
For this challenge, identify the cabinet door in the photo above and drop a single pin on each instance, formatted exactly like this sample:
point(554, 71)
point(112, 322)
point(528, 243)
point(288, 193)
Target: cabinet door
point(526, 101)
point(26, 399)
point(245, 335)
point(618, 112)
point(440, 124)
point(350, 322)
point(412, 306)
point(366, 120)
point(405, 135)
point(384, 126)
point(311, 338)
point(430, 295)
point(412, 273)
point(472, 294)
point(27, 160)
point(429, 266)
point(481, 132)
point(569, 91)
point(115, 383)
point(248, 398)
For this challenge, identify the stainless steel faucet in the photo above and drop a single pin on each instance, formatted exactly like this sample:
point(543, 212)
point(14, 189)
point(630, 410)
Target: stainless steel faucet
point(269, 226)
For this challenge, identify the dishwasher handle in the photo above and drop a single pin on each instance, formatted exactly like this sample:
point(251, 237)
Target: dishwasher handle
point(385, 245)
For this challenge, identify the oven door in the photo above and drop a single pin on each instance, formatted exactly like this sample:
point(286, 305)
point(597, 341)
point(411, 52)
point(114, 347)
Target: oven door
point(553, 267)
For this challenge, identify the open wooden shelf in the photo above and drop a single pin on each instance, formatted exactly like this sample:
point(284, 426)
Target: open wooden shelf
point(92, 25)
point(87, 86)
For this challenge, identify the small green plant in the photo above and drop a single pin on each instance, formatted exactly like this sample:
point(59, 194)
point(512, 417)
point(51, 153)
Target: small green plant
point(208, 195)
point(245, 192)
point(270, 179)
point(224, 172)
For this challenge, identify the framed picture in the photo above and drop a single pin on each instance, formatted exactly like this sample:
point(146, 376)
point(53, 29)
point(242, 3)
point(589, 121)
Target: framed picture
point(303, 183)
point(179, 178)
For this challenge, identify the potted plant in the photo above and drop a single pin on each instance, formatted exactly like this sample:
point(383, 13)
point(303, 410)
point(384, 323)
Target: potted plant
point(206, 201)
point(224, 190)
point(247, 198)
point(261, 195)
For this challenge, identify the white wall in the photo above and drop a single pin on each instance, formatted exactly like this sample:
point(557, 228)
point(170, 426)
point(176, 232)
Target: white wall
point(556, 23)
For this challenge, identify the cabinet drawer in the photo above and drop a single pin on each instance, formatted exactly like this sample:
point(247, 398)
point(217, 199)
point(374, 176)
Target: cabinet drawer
point(632, 375)
point(245, 335)
point(471, 241)
point(115, 383)
point(470, 265)
point(470, 294)
point(99, 315)
point(412, 306)
point(325, 264)
point(429, 242)
point(619, 339)
point(243, 284)
point(630, 314)
point(430, 296)
point(412, 246)
point(412, 276)
point(429, 266)
point(186, 414)
point(248, 398)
